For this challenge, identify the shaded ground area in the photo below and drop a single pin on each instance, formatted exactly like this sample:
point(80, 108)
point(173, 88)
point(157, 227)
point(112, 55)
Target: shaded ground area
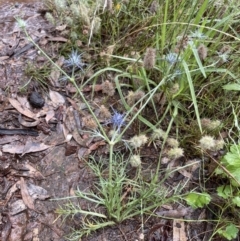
point(38, 163)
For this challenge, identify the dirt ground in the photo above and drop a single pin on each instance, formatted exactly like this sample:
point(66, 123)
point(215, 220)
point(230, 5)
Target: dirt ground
point(37, 163)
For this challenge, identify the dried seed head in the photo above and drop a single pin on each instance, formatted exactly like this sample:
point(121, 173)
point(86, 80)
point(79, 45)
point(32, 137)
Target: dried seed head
point(150, 58)
point(69, 21)
point(81, 12)
point(133, 97)
point(159, 134)
point(89, 122)
point(104, 112)
point(175, 152)
point(138, 141)
point(135, 161)
point(209, 124)
point(174, 89)
point(109, 5)
point(226, 49)
point(172, 142)
point(154, 7)
point(50, 18)
point(96, 25)
point(202, 51)
point(219, 144)
point(60, 5)
point(108, 88)
point(207, 143)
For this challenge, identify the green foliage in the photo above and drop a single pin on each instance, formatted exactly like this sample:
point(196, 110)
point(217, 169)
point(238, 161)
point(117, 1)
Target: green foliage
point(197, 200)
point(229, 232)
point(230, 164)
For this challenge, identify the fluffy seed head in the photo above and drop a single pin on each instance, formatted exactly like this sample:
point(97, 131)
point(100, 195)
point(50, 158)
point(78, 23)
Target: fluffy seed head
point(209, 124)
point(135, 161)
point(202, 51)
point(207, 143)
point(219, 144)
point(175, 152)
point(150, 58)
point(108, 88)
point(138, 141)
point(172, 142)
point(159, 134)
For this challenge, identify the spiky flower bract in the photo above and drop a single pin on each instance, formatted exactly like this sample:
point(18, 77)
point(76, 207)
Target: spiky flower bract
point(135, 161)
point(149, 59)
point(207, 143)
point(175, 153)
point(74, 61)
point(138, 141)
point(172, 58)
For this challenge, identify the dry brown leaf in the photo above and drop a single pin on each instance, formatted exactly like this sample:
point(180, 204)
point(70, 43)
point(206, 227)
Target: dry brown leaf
point(14, 149)
point(31, 146)
point(37, 192)
point(50, 114)
point(69, 120)
point(179, 233)
point(55, 73)
point(56, 98)
point(11, 191)
point(61, 27)
point(22, 109)
point(58, 39)
point(27, 199)
point(27, 123)
point(32, 172)
point(96, 145)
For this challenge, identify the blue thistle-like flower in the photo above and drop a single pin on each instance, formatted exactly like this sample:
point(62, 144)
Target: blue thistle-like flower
point(172, 58)
point(117, 119)
point(74, 60)
point(223, 56)
point(198, 35)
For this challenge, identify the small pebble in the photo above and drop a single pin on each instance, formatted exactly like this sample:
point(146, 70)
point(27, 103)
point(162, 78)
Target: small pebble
point(36, 100)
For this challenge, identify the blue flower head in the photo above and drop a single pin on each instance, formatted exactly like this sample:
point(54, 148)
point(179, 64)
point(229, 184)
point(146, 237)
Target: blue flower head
point(117, 119)
point(172, 58)
point(198, 35)
point(74, 61)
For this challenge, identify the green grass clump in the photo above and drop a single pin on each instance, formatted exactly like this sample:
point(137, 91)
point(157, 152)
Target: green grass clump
point(175, 69)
